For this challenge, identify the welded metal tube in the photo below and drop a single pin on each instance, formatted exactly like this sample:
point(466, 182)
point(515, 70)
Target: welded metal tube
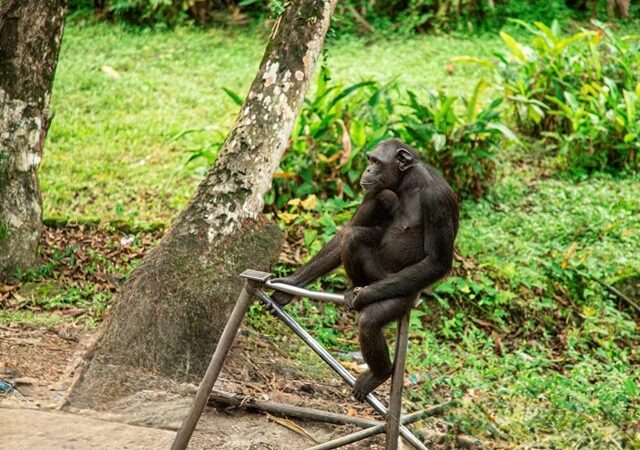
point(397, 382)
point(332, 362)
point(301, 292)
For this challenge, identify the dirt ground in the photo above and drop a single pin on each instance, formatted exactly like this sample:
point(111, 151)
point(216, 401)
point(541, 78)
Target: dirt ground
point(40, 362)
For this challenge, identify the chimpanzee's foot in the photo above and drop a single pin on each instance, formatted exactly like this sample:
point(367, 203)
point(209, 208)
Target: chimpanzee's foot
point(366, 383)
point(282, 298)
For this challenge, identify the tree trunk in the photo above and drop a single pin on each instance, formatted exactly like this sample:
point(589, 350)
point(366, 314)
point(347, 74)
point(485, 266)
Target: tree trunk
point(30, 36)
point(623, 8)
point(169, 315)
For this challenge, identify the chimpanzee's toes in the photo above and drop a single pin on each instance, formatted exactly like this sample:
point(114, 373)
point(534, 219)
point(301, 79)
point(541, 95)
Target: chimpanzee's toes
point(281, 298)
point(366, 383)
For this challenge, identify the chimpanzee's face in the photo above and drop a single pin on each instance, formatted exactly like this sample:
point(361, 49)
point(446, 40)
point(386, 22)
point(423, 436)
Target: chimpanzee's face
point(386, 167)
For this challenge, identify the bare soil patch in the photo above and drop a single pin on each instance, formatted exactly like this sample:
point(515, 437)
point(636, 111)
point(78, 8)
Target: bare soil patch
point(40, 362)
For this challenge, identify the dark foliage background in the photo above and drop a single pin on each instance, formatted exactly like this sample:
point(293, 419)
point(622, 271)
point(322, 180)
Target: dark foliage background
point(356, 16)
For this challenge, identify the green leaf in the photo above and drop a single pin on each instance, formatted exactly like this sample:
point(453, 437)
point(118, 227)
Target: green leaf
point(472, 106)
point(234, 96)
point(524, 24)
point(630, 102)
point(506, 131)
point(472, 59)
point(551, 38)
point(513, 45)
point(570, 40)
point(358, 133)
point(348, 91)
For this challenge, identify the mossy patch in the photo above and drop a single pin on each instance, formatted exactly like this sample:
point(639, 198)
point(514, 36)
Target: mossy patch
point(40, 292)
point(3, 231)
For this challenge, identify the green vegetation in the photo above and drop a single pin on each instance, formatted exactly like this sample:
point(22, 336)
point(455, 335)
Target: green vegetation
point(351, 16)
point(117, 146)
point(525, 334)
point(463, 145)
point(3, 231)
point(581, 93)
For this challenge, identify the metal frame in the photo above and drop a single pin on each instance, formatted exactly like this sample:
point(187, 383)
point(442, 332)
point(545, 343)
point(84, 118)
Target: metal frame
point(255, 282)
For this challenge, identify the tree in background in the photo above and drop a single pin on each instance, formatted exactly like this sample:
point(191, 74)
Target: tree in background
point(615, 8)
point(30, 36)
point(169, 314)
point(618, 8)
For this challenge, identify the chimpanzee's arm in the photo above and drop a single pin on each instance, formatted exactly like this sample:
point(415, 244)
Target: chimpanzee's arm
point(369, 212)
point(328, 258)
point(440, 215)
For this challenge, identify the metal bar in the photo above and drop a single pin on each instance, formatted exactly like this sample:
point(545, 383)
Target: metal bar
point(213, 371)
point(280, 409)
point(332, 362)
point(364, 434)
point(397, 381)
point(350, 438)
point(301, 292)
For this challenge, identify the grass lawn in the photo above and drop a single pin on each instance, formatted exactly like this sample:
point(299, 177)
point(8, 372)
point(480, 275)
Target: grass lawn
point(110, 149)
point(525, 336)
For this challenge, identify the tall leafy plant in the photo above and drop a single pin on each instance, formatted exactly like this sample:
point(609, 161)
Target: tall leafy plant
point(462, 143)
point(334, 130)
point(579, 93)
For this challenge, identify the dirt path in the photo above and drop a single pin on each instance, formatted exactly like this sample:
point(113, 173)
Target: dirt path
point(28, 429)
point(40, 362)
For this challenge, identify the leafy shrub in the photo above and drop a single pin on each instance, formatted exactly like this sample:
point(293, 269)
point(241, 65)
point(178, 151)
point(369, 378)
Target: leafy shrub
point(148, 11)
point(461, 145)
point(439, 15)
point(603, 130)
point(579, 92)
point(414, 15)
point(339, 124)
point(329, 140)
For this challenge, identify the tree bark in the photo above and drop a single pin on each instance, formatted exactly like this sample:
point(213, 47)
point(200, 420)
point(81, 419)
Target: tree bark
point(169, 315)
point(623, 8)
point(30, 36)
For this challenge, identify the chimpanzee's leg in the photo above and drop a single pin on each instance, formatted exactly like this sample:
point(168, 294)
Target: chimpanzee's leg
point(356, 246)
point(358, 252)
point(373, 345)
point(327, 259)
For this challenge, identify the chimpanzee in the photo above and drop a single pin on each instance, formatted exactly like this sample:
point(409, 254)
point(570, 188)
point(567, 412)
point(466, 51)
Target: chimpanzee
point(399, 241)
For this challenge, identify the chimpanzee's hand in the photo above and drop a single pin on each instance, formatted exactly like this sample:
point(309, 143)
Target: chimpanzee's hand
point(282, 298)
point(350, 297)
point(389, 201)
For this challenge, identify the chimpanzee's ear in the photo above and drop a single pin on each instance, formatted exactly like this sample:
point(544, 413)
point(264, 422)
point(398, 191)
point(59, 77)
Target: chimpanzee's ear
point(405, 159)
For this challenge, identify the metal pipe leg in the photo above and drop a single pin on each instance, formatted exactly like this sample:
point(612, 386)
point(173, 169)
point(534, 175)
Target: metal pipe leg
point(395, 402)
point(333, 363)
point(213, 371)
